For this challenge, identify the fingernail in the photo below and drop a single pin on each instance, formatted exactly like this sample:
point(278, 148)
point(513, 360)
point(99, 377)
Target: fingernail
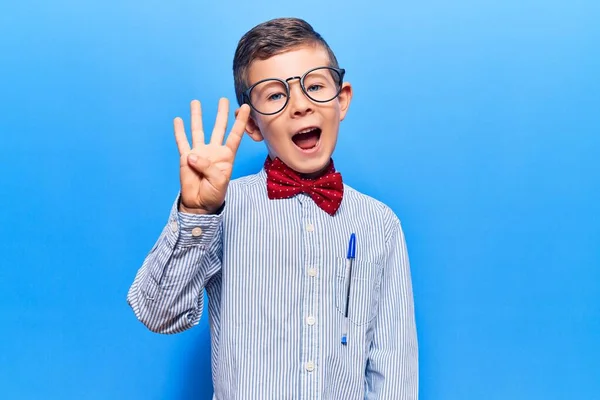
point(193, 158)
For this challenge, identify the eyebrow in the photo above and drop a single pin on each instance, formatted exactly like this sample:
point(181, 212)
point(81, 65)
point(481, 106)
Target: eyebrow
point(286, 79)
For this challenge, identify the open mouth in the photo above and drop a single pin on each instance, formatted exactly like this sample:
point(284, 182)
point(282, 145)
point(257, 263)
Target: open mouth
point(307, 139)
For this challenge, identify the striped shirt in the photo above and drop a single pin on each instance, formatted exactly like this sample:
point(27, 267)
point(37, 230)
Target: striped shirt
point(275, 275)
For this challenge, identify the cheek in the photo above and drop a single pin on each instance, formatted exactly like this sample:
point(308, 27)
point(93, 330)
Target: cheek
point(272, 129)
point(338, 112)
point(333, 117)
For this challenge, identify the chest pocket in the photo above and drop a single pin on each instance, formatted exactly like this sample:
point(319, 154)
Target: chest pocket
point(365, 282)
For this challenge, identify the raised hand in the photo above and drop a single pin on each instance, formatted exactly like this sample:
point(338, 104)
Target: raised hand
point(205, 169)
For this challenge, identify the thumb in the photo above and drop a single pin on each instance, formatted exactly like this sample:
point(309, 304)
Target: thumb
point(205, 167)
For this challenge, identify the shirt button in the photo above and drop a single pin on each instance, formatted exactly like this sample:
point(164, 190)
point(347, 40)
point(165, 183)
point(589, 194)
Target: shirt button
point(310, 366)
point(310, 320)
point(312, 272)
point(174, 226)
point(310, 227)
point(196, 231)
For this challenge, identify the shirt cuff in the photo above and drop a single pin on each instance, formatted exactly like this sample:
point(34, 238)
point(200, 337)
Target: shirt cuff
point(192, 229)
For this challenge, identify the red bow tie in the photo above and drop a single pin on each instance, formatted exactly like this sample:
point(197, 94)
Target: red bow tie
point(283, 182)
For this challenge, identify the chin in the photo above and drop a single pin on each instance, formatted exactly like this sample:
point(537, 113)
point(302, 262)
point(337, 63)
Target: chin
point(310, 165)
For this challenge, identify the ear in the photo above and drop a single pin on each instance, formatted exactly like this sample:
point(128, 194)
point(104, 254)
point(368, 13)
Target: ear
point(344, 99)
point(252, 128)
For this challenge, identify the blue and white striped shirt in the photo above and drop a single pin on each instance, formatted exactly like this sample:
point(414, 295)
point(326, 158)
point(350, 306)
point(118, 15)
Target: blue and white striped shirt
point(274, 273)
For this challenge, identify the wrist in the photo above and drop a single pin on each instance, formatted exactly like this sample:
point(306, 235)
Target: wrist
point(199, 211)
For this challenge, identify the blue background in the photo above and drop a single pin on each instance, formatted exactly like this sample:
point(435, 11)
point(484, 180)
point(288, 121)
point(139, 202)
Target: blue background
point(482, 119)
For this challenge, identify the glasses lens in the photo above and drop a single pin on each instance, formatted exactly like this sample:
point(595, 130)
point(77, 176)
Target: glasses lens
point(322, 84)
point(269, 97)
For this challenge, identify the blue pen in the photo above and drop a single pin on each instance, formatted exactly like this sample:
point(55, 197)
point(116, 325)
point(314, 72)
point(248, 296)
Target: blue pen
point(348, 275)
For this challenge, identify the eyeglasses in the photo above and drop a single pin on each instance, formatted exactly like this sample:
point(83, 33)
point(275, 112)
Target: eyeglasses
point(270, 96)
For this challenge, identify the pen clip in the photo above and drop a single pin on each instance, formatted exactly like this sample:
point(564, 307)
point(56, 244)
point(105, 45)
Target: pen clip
point(352, 247)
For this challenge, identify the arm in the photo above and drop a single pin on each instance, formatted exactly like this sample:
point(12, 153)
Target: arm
point(167, 292)
point(392, 368)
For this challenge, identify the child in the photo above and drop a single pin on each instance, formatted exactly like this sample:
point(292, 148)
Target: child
point(308, 280)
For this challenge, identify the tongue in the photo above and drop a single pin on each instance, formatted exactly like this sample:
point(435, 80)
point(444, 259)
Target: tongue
point(306, 140)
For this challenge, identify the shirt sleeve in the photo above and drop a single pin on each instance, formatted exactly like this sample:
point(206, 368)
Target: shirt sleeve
point(392, 367)
point(167, 294)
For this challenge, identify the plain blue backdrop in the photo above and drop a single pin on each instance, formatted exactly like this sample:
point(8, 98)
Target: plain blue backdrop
point(478, 122)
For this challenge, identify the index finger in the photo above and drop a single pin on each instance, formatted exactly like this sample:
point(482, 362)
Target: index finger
point(180, 138)
point(238, 129)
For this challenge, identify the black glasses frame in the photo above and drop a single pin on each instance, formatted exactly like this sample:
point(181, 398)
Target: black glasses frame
point(246, 94)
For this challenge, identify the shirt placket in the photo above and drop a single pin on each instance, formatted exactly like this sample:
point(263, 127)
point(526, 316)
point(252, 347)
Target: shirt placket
point(310, 298)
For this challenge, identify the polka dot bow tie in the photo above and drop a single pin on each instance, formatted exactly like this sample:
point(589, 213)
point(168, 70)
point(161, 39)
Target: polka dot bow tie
point(283, 182)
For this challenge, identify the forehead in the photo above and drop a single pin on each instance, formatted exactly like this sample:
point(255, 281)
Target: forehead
point(293, 62)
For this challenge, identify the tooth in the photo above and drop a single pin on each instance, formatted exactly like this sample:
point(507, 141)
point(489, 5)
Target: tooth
point(306, 130)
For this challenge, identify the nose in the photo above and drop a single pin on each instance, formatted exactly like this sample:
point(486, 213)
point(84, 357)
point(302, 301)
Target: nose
point(299, 104)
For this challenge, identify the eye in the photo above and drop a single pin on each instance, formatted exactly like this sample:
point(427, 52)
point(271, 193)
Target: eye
point(275, 96)
point(314, 88)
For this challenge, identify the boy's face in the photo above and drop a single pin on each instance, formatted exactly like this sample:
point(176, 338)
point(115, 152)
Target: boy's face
point(285, 132)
